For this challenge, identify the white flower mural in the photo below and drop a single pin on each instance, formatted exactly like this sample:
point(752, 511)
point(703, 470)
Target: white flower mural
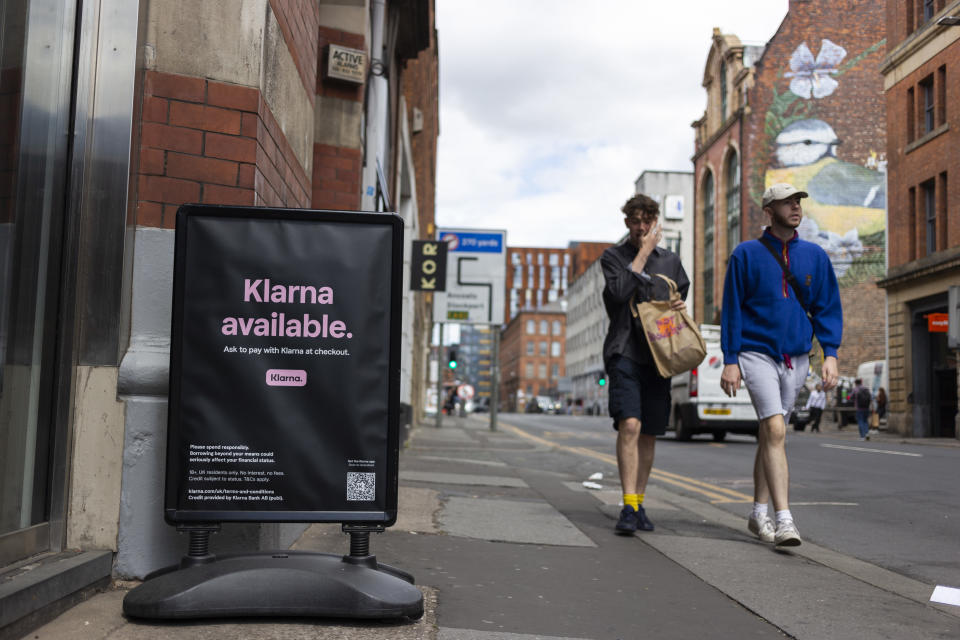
point(811, 77)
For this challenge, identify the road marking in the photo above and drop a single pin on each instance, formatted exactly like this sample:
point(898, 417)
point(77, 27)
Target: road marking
point(717, 494)
point(892, 453)
point(824, 504)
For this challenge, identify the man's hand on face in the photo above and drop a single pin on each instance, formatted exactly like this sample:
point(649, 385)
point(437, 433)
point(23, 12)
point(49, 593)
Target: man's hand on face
point(651, 239)
point(830, 375)
point(730, 379)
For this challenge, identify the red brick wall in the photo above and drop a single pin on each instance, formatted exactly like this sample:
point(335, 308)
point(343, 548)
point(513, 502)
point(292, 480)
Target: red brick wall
point(299, 22)
point(421, 90)
point(514, 358)
point(208, 142)
point(336, 169)
point(856, 111)
point(583, 254)
point(336, 177)
point(924, 161)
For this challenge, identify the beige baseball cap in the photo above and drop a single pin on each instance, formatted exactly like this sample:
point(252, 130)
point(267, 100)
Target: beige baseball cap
point(781, 191)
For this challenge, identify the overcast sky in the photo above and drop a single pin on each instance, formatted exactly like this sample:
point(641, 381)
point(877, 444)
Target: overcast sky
point(551, 109)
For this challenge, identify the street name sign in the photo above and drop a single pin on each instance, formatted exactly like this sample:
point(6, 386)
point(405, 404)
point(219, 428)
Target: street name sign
point(476, 277)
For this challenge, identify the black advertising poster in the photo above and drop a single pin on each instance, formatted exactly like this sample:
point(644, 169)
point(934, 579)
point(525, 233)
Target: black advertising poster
point(284, 385)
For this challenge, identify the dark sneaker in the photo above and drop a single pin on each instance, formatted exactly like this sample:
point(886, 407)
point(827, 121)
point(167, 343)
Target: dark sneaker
point(643, 522)
point(627, 523)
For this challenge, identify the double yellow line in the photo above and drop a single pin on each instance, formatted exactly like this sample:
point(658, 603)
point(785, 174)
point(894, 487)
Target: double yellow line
point(716, 494)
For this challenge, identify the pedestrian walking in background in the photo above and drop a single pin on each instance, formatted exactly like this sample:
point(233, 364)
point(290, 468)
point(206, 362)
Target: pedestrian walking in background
point(816, 403)
point(861, 405)
point(779, 292)
point(881, 403)
point(639, 398)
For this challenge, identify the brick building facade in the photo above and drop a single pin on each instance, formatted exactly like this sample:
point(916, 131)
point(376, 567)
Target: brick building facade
point(532, 347)
point(815, 117)
point(920, 75)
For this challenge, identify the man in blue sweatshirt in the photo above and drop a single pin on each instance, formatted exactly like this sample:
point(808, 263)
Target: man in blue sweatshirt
point(766, 336)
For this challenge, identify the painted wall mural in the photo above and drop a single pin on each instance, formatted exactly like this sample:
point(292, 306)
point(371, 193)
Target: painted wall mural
point(845, 213)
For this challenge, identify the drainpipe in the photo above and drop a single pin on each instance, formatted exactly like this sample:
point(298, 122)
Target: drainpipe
point(375, 145)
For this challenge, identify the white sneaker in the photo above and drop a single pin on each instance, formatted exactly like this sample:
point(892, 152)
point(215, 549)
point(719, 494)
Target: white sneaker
point(762, 528)
point(787, 535)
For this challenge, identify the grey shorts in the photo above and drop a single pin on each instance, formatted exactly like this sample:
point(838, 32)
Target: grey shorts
point(773, 386)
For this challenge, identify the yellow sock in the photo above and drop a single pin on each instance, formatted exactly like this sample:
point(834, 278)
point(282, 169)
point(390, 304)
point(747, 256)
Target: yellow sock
point(640, 498)
point(631, 499)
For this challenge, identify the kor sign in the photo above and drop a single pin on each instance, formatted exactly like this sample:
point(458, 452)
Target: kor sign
point(428, 266)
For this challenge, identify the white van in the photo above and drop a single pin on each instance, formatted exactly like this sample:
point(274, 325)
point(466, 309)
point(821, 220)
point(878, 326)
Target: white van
point(698, 403)
point(874, 376)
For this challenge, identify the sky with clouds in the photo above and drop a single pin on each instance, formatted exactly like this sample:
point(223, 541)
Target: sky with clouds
point(551, 109)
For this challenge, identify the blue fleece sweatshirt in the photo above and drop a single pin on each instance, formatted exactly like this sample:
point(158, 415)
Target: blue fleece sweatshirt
point(760, 308)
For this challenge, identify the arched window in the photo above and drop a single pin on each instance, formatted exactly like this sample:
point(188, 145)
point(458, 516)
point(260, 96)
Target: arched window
point(723, 91)
point(708, 211)
point(733, 201)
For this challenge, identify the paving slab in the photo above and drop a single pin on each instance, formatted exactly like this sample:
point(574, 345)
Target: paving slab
point(462, 478)
point(533, 522)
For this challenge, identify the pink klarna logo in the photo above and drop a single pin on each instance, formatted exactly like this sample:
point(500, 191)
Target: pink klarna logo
point(286, 377)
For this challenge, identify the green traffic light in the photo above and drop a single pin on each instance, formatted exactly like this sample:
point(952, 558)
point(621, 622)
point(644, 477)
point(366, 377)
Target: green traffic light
point(602, 381)
point(452, 364)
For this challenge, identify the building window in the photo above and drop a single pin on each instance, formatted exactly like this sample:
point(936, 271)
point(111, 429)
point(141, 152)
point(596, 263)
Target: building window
point(708, 201)
point(556, 327)
point(531, 327)
point(514, 302)
point(543, 277)
point(929, 104)
point(553, 295)
point(912, 213)
point(554, 371)
point(518, 276)
point(530, 344)
point(929, 191)
point(911, 115)
point(529, 371)
point(942, 95)
point(673, 243)
point(540, 258)
point(942, 212)
point(928, 10)
point(542, 370)
point(530, 270)
point(516, 258)
point(733, 201)
point(544, 328)
point(723, 91)
point(566, 259)
point(554, 259)
point(555, 349)
point(543, 348)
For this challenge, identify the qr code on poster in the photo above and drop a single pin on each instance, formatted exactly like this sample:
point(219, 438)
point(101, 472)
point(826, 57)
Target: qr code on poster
point(361, 486)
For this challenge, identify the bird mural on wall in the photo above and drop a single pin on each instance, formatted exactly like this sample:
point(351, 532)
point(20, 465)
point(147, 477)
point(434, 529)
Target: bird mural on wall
point(847, 201)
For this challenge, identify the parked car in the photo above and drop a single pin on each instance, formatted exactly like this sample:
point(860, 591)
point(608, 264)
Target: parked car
point(482, 405)
point(699, 405)
point(800, 416)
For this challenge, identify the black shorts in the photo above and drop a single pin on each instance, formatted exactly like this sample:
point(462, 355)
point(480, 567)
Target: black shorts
point(638, 391)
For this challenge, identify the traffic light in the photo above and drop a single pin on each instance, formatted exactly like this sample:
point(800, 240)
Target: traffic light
point(452, 359)
point(602, 379)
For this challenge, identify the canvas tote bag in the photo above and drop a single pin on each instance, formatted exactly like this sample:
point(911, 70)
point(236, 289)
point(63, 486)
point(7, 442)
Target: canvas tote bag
point(675, 341)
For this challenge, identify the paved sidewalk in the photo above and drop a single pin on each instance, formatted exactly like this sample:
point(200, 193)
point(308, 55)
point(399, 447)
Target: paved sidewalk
point(503, 551)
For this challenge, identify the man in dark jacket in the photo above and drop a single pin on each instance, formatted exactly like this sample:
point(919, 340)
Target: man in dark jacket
point(639, 396)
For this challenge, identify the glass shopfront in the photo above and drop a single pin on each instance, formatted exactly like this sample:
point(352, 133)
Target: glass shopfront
point(36, 80)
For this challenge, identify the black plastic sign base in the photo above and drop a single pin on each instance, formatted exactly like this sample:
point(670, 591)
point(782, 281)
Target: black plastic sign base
point(279, 584)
